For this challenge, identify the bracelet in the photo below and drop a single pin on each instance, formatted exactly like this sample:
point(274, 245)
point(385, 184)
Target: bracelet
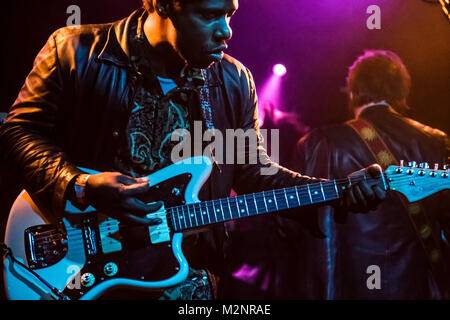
point(80, 188)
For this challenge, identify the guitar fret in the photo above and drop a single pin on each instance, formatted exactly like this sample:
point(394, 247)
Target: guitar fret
point(246, 206)
point(292, 198)
point(229, 207)
point(201, 213)
point(207, 213)
point(282, 201)
point(190, 216)
point(309, 192)
point(316, 191)
point(237, 206)
point(321, 188)
point(215, 211)
point(184, 217)
point(198, 214)
point(174, 221)
point(285, 196)
point(221, 210)
point(256, 206)
point(226, 209)
point(254, 200)
point(242, 202)
point(234, 207)
point(336, 188)
point(275, 199)
point(265, 203)
point(223, 213)
point(298, 198)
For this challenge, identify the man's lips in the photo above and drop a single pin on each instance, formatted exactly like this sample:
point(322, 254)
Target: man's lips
point(218, 49)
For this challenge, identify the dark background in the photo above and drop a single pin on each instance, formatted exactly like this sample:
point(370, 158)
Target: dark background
point(316, 40)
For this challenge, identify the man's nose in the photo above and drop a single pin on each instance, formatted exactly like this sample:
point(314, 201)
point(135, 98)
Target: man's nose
point(223, 31)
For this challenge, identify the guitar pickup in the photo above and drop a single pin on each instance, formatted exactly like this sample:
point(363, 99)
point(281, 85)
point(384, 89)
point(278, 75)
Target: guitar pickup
point(161, 232)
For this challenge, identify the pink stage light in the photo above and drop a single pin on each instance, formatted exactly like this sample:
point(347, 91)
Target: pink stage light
point(279, 70)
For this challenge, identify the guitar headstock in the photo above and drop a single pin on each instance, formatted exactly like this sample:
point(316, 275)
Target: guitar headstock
point(417, 182)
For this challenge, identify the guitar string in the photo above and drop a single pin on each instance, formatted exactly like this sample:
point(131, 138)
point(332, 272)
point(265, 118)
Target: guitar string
point(169, 211)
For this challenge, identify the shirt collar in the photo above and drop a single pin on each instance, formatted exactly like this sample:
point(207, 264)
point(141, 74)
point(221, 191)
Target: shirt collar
point(360, 109)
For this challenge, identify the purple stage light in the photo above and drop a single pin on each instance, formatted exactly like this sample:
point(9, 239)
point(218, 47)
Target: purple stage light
point(279, 70)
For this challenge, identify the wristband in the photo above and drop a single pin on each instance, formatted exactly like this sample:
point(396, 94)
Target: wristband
point(80, 188)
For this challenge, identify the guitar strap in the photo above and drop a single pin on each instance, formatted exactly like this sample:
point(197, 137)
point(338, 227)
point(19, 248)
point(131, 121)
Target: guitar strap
point(415, 210)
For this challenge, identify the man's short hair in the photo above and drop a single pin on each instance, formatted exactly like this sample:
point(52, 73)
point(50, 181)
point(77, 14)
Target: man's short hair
point(148, 4)
point(379, 75)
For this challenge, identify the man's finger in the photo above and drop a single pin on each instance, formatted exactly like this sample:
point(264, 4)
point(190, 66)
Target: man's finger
point(374, 170)
point(127, 180)
point(139, 207)
point(361, 200)
point(140, 220)
point(367, 191)
point(379, 192)
point(135, 189)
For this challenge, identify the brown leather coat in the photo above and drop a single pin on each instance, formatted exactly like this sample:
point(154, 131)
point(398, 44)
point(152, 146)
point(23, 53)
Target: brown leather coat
point(386, 237)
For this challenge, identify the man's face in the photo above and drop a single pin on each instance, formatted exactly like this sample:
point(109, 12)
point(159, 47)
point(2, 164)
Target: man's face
point(202, 28)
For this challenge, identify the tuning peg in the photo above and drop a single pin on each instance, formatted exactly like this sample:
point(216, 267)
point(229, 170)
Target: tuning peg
point(402, 163)
point(436, 166)
point(445, 167)
point(424, 165)
point(412, 164)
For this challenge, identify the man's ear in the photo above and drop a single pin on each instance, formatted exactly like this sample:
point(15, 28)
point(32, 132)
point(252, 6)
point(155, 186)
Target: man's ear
point(162, 8)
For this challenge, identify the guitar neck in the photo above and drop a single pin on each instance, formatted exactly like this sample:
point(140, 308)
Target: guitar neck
point(214, 211)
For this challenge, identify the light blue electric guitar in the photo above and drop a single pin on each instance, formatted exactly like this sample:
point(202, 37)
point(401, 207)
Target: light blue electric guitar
point(88, 254)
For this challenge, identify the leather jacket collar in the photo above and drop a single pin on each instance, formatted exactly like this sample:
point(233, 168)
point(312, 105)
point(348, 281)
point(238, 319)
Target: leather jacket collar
point(116, 49)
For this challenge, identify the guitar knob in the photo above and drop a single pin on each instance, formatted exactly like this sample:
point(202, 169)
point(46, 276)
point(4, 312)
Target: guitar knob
point(412, 164)
point(445, 167)
point(110, 269)
point(87, 280)
point(424, 165)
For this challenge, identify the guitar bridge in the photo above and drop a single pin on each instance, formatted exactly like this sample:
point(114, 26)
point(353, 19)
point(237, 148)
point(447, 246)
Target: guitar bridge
point(45, 245)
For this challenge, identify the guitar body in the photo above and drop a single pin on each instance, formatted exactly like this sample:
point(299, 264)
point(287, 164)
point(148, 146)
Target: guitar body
point(88, 254)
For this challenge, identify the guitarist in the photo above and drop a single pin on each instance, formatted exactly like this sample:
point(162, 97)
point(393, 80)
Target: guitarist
point(403, 239)
point(109, 96)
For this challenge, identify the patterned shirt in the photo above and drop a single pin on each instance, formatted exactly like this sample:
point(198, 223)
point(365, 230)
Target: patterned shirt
point(155, 115)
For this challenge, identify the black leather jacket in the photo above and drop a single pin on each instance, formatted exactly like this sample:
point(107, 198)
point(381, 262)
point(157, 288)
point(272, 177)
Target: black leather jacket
point(74, 107)
point(386, 237)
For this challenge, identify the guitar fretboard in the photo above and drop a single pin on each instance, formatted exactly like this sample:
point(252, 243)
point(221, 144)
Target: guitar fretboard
point(214, 211)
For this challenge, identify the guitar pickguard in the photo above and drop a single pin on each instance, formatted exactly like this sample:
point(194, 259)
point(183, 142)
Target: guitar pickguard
point(114, 249)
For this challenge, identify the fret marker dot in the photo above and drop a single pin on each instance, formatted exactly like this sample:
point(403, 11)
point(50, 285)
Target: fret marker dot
point(270, 200)
point(218, 210)
point(242, 210)
point(204, 212)
point(316, 192)
point(291, 197)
